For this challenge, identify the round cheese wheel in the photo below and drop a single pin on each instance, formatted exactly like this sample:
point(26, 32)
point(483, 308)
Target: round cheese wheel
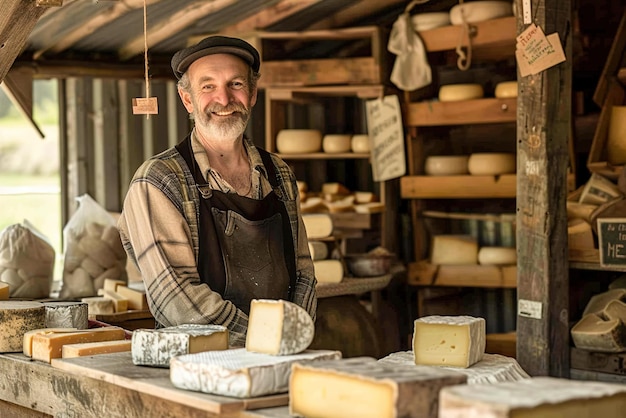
point(506, 89)
point(298, 141)
point(616, 145)
point(491, 164)
point(334, 144)
point(446, 165)
point(458, 92)
point(360, 143)
point(426, 21)
point(479, 11)
point(499, 256)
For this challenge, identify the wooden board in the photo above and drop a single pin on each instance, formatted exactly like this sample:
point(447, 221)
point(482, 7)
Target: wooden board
point(464, 112)
point(458, 187)
point(277, 412)
point(118, 368)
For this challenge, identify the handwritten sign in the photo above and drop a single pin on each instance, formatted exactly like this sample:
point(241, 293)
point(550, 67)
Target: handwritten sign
point(612, 241)
point(386, 132)
point(145, 106)
point(536, 52)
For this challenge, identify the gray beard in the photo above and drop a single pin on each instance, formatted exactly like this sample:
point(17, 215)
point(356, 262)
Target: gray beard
point(225, 130)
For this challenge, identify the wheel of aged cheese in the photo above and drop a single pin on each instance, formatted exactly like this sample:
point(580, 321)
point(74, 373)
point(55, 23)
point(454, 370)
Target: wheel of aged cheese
point(459, 92)
point(426, 21)
point(446, 165)
point(506, 89)
point(499, 256)
point(298, 141)
point(360, 143)
point(491, 164)
point(479, 11)
point(335, 144)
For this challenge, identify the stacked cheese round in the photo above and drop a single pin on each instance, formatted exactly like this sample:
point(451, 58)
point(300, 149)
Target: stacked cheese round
point(360, 143)
point(446, 165)
point(497, 256)
point(298, 141)
point(491, 164)
point(479, 11)
point(336, 144)
point(426, 21)
point(506, 89)
point(459, 92)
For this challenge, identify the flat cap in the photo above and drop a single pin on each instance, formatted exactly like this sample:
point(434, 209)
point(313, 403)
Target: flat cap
point(215, 45)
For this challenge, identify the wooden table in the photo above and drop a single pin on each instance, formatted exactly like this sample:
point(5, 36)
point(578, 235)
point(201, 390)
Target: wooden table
point(108, 385)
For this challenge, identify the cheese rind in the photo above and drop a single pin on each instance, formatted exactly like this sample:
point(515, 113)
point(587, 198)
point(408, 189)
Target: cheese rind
point(99, 305)
point(239, 373)
point(49, 346)
point(454, 250)
point(362, 387)
point(537, 397)
point(27, 348)
point(457, 341)
point(278, 327)
point(595, 334)
point(67, 315)
point(17, 318)
point(95, 348)
point(156, 347)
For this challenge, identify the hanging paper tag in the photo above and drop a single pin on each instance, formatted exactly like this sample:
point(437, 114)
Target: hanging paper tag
point(145, 106)
point(526, 13)
point(535, 52)
point(386, 132)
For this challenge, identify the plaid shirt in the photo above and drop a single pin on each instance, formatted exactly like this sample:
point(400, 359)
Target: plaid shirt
point(159, 230)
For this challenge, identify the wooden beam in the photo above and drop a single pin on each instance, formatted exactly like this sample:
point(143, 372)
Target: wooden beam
point(268, 16)
point(353, 13)
point(185, 17)
point(18, 86)
point(543, 122)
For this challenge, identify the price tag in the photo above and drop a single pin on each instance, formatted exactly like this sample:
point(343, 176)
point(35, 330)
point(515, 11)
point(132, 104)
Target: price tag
point(529, 309)
point(145, 106)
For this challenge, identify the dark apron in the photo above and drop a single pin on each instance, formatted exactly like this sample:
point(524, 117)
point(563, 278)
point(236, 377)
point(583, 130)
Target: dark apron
point(246, 247)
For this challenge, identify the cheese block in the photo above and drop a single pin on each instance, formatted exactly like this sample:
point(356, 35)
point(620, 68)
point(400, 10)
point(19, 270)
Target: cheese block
point(334, 188)
point(491, 369)
point(49, 346)
point(4, 291)
point(454, 250)
point(120, 303)
point(506, 89)
point(446, 165)
point(498, 256)
point(372, 207)
point(66, 314)
point(136, 298)
point(297, 141)
point(538, 397)
point(328, 271)
point(365, 197)
point(92, 349)
point(457, 341)
point(317, 225)
point(615, 149)
point(99, 305)
point(479, 11)
point(360, 143)
point(491, 163)
point(239, 373)
point(17, 318)
point(595, 334)
point(27, 347)
point(334, 143)
point(598, 302)
point(362, 387)
point(318, 250)
point(616, 309)
point(459, 92)
point(155, 347)
point(278, 327)
point(112, 284)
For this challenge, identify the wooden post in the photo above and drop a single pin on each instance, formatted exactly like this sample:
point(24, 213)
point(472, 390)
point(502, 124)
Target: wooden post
point(543, 120)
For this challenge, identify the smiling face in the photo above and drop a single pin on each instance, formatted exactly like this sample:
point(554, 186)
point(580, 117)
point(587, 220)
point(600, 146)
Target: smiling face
point(220, 96)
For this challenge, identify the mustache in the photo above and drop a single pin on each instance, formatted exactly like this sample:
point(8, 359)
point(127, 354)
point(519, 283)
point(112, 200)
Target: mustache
point(231, 107)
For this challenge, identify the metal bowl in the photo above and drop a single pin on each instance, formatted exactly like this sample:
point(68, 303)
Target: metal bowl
point(368, 265)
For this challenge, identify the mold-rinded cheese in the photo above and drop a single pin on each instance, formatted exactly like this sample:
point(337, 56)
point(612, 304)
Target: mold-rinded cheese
point(278, 327)
point(537, 397)
point(454, 250)
point(4, 291)
point(120, 303)
point(328, 271)
point(17, 318)
point(362, 387)
point(616, 309)
point(317, 225)
point(598, 302)
point(240, 373)
point(92, 349)
point(491, 163)
point(155, 347)
point(506, 89)
point(491, 369)
point(457, 341)
point(49, 346)
point(318, 250)
point(99, 305)
point(498, 256)
point(66, 314)
point(595, 334)
point(296, 141)
point(136, 298)
point(458, 92)
point(28, 337)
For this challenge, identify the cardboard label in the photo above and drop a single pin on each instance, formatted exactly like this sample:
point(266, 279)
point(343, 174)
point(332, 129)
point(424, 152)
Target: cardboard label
point(536, 52)
point(612, 241)
point(145, 106)
point(529, 309)
point(386, 132)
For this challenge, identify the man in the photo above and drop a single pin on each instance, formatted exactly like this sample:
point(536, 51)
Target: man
point(215, 222)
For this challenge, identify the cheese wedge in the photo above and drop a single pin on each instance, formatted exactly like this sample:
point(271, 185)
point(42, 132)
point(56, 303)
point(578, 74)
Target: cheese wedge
point(92, 349)
point(457, 341)
point(598, 302)
point(16, 319)
point(66, 314)
point(156, 347)
point(4, 291)
point(136, 299)
point(454, 250)
point(616, 309)
point(538, 397)
point(362, 387)
point(278, 327)
point(317, 225)
point(27, 348)
point(595, 334)
point(49, 346)
point(99, 305)
point(328, 271)
point(112, 284)
point(239, 373)
point(120, 303)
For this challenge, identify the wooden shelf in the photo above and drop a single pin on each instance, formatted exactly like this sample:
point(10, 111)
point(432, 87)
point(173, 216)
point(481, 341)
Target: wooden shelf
point(590, 364)
point(423, 273)
point(325, 156)
point(307, 93)
point(465, 112)
point(458, 187)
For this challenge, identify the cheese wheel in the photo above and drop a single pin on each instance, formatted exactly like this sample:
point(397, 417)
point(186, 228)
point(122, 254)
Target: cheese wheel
point(506, 89)
point(17, 318)
point(446, 165)
point(616, 140)
point(317, 225)
point(479, 11)
point(427, 21)
point(360, 143)
point(491, 164)
point(454, 250)
point(297, 141)
point(458, 92)
point(328, 271)
point(318, 250)
point(499, 256)
point(335, 144)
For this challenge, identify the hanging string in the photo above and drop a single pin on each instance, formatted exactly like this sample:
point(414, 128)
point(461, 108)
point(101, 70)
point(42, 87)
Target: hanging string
point(145, 49)
point(464, 61)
